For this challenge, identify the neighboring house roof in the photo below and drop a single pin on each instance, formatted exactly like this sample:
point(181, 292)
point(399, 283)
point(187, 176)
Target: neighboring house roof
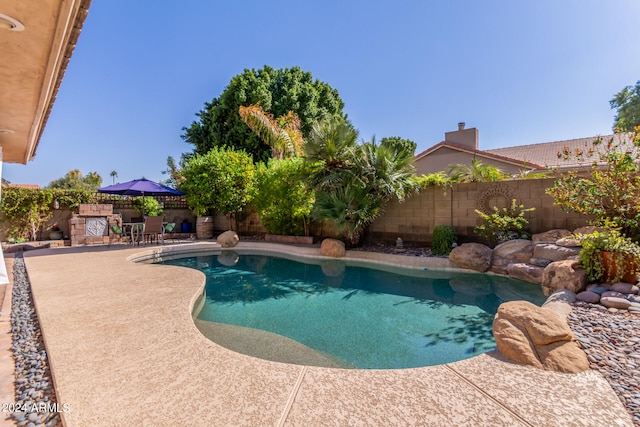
point(546, 153)
point(29, 186)
point(486, 154)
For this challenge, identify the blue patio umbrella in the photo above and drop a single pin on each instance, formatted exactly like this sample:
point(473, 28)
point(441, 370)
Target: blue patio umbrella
point(140, 187)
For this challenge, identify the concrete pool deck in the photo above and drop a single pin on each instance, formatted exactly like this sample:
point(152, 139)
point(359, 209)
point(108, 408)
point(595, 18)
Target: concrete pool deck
point(124, 351)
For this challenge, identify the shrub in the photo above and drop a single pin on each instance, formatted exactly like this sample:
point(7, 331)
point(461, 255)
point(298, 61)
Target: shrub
point(443, 240)
point(624, 254)
point(284, 200)
point(609, 192)
point(504, 224)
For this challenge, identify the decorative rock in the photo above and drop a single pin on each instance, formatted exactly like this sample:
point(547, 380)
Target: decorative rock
point(536, 336)
point(514, 250)
point(615, 302)
point(568, 242)
point(550, 236)
point(539, 262)
point(633, 298)
point(474, 256)
point(567, 274)
point(588, 296)
point(228, 239)
point(598, 289)
point(560, 302)
point(528, 273)
point(333, 248)
point(588, 229)
point(613, 294)
point(625, 288)
point(554, 252)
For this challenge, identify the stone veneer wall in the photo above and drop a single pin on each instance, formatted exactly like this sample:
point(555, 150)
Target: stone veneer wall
point(415, 218)
point(78, 225)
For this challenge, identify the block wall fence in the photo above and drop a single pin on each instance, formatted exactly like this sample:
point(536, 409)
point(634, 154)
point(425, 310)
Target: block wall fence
point(412, 220)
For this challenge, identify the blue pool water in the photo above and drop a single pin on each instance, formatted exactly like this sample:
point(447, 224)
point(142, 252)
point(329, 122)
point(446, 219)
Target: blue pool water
point(366, 317)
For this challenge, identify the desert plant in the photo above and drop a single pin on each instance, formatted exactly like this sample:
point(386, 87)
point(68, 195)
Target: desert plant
point(443, 240)
point(609, 191)
point(475, 172)
point(504, 224)
point(623, 252)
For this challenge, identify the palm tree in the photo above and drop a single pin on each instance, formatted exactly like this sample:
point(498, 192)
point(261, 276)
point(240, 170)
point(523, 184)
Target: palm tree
point(476, 172)
point(353, 182)
point(114, 175)
point(282, 134)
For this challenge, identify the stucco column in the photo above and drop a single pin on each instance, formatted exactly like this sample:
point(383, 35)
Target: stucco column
point(4, 277)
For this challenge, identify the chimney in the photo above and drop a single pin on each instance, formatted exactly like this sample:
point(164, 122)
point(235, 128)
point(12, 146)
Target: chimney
point(462, 136)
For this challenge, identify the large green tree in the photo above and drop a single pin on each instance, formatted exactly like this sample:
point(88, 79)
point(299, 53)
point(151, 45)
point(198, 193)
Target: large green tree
point(627, 102)
point(277, 92)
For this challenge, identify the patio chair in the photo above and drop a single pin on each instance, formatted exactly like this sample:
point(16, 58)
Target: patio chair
point(153, 228)
point(169, 231)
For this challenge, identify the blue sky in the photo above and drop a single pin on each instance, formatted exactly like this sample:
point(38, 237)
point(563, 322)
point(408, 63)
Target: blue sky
point(522, 72)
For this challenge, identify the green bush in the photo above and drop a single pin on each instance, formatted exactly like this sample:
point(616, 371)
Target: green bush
point(284, 200)
point(151, 207)
point(504, 224)
point(443, 240)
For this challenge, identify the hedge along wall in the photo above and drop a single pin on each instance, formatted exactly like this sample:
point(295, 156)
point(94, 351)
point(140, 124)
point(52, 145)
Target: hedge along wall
point(415, 218)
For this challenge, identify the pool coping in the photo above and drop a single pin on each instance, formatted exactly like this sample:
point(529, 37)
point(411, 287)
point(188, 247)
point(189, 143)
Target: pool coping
point(124, 350)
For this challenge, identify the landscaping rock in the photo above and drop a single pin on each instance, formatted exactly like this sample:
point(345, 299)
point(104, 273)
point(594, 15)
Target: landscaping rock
point(560, 302)
point(527, 272)
point(625, 288)
point(615, 302)
point(536, 336)
point(332, 248)
point(566, 274)
point(588, 296)
point(550, 236)
point(587, 229)
point(568, 242)
point(228, 239)
point(519, 250)
point(540, 262)
point(613, 294)
point(554, 252)
point(474, 256)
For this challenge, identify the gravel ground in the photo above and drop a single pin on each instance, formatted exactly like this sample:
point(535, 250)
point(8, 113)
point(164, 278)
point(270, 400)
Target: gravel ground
point(35, 399)
point(610, 339)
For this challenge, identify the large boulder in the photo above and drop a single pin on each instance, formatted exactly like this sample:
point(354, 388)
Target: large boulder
point(527, 272)
point(550, 236)
point(554, 252)
point(566, 274)
point(536, 336)
point(519, 250)
point(228, 239)
point(473, 256)
point(332, 248)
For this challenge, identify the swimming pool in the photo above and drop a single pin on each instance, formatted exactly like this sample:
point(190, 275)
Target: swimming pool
point(356, 317)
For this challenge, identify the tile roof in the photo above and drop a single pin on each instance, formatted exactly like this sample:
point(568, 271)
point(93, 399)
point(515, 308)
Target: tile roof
point(547, 153)
point(479, 153)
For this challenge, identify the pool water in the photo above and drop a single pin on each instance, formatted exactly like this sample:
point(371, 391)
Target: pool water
point(367, 318)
